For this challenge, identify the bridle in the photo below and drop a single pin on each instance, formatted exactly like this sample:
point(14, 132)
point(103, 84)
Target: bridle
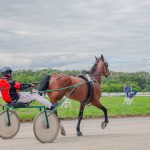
point(100, 73)
point(107, 69)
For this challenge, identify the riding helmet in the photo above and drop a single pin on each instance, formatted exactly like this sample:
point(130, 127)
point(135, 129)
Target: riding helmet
point(6, 71)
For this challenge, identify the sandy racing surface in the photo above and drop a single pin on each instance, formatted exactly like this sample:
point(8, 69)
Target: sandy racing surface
point(120, 134)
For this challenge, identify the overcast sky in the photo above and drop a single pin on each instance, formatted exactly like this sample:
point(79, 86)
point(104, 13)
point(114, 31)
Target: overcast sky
point(68, 34)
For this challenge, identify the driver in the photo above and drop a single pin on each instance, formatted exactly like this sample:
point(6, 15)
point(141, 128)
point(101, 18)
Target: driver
point(10, 88)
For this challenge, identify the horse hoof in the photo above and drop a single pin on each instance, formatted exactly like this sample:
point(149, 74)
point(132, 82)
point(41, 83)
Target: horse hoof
point(62, 131)
point(103, 125)
point(79, 134)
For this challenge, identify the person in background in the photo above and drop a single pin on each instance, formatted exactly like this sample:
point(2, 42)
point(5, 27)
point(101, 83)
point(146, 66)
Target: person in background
point(10, 88)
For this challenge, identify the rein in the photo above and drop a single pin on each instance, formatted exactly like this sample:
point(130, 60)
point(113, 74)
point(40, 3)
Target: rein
point(64, 88)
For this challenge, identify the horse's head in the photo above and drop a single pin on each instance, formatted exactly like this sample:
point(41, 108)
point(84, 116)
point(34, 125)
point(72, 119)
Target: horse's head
point(100, 67)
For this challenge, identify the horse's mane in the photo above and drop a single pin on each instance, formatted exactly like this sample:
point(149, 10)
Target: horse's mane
point(94, 66)
point(89, 71)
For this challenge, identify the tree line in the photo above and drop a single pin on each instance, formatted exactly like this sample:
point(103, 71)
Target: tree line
point(139, 81)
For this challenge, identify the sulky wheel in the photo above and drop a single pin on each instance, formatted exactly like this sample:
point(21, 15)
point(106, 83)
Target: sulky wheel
point(8, 131)
point(44, 133)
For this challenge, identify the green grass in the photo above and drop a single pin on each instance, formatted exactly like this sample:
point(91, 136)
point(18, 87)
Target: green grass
point(114, 105)
point(140, 107)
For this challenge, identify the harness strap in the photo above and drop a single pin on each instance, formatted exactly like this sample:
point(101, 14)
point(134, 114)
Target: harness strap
point(89, 83)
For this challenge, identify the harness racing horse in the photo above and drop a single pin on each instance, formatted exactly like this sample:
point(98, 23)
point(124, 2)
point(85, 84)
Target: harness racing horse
point(56, 81)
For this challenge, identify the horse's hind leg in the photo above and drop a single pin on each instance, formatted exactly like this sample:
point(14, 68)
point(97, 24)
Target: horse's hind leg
point(62, 129)
point(80, 116)
point(97, 104)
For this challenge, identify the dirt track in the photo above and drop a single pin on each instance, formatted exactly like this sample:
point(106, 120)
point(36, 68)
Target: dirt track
point(121, 134)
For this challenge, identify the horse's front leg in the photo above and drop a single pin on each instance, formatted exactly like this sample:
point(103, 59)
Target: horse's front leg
point(104, 123)
point(97, 104)
point(80, 116)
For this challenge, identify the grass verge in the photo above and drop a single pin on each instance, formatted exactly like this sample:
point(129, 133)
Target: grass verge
point(114, 105)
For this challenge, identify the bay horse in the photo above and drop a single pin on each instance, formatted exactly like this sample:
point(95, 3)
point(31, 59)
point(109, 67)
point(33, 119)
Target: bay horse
point(99, 69)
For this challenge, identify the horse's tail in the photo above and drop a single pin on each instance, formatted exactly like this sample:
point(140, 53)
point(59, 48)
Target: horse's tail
point(43, 86)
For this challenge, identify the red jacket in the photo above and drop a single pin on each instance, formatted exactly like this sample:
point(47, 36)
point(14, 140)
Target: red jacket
point(10, 89)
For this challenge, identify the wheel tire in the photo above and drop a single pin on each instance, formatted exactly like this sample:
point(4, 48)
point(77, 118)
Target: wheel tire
point(9, 131)
point(41, 132)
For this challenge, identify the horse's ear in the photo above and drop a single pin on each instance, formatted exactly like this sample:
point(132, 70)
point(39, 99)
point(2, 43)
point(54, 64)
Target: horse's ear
point(102, 57)
point(96, 58)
